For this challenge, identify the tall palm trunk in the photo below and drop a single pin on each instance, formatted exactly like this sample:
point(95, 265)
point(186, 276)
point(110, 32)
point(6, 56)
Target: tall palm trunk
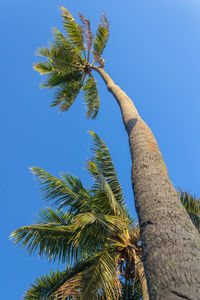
point(171, 243)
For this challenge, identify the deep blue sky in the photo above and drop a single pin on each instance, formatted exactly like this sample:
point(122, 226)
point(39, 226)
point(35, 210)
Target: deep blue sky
point(153, 54)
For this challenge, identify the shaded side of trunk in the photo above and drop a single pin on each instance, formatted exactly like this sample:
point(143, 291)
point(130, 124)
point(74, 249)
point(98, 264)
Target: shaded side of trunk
point(171, 243)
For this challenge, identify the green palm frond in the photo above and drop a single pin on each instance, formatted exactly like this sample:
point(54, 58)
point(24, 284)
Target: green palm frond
point(72, 29)
point(60, 40)
point(91, 97)
point(53, 240)
point(44, 67)
point(63, 71)
point(52, 187)
point(45, 286)
point(48, 215)
point(103, 160)
point(93, 230)
point(192, 206)
point(101, 37)
point(100, 279)
point(102, 189)
point(107, 222)
point(103, 276)
point(58, 79)
point(67, 191)
point(59, 57)
point(66, 94)
point(44, 52)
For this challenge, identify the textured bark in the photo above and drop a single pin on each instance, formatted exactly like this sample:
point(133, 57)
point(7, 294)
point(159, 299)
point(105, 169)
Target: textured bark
point(171, 243)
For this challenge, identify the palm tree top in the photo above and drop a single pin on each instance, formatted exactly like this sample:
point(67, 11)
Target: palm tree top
point(95, 236)
point(67, 62)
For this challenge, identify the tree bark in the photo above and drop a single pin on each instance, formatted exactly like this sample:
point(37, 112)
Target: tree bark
point(171, 243)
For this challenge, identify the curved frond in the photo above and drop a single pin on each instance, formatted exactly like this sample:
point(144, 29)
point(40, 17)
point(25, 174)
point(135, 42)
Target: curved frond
point(192, 206)
point(102, 189)
point(48, 215)
point(91, 97)
point(94, 230)
point(58, 79)
point(43, 67)
point(103, 160)
point(100, 279)
point(61, 41)
point(53, 240)
point(66, 94)
point(63, 69)
point(101, 37)
point(103, 276)
point(62, 58)
point(72, 29)
point(67, 191)
point(108, 222)
point(45, 286)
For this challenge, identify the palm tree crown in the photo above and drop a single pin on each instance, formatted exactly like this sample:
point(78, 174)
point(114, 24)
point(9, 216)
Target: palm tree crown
point(67, 63)
point(95, 236)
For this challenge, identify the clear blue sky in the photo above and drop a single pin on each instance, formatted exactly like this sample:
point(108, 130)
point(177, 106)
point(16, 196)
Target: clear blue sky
point(153, 54)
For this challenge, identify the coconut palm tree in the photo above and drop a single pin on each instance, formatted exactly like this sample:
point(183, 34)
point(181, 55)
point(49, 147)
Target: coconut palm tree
point(167, 232)
point(95, 236)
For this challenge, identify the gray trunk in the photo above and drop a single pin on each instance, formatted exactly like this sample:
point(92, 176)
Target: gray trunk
point(171, 243)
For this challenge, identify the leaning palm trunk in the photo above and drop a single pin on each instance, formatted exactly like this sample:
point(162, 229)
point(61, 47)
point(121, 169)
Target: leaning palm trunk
point(171, 243)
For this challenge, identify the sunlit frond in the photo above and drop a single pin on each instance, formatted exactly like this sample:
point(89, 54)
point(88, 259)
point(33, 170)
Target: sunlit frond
point(63, 71)
point(60, 57)
point(92, 230)
point(43, 67)
point(48, 215)
point(67, 191)
point(60, 40)
point(72, 29)
point(103, 160)
point(91, 97)
point(100, 279)
point(102, 189)
point(53, 240)
point(46, 286)
point(59, 79)
point(101, 37)
point(108, 222)
point(44, 52)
